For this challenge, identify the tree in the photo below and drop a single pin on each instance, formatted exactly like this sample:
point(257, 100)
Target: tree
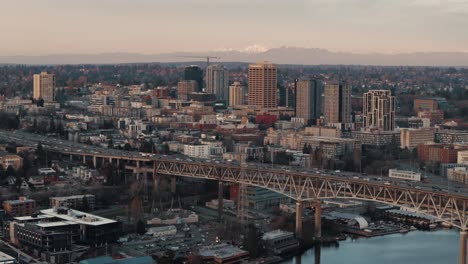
point(283, 158)
point(40, 153)
point(141, 229)
point(165, 148)
point(40, 102)
point(127, 147)
point(52, 126)
point(2, 173)
point(251, 241)
point(11, 171)
point(110, 143)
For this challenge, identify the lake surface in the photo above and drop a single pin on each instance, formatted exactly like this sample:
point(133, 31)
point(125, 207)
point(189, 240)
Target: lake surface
point(436, 247)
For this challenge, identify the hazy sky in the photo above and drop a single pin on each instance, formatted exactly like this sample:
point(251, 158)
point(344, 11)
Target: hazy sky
point(38, 27)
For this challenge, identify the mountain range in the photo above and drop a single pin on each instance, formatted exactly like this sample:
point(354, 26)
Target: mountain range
point(282, 55)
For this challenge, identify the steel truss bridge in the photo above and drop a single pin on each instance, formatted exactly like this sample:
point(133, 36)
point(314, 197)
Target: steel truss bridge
point(301, 187)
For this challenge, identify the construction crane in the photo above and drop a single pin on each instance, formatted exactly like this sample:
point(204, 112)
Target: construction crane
point(202, 57)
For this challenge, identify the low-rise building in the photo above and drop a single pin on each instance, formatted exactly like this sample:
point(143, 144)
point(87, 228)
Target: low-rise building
point(10, 160)
point(197, 151)
point(331, 147)
point(458, 174)
point(377, 138)
point(440, 152)
point(109, 260)
point(51, 241)
point(462, 157)
point(410, 138)
point(21, 207)
point(162, 231)
point(94, 230)
point(174, 217)
point(435, 116)
point(405, 175)
point(280, 242)
point(451, 136)
point(78, 202)
point(260, 199)
point(322, 131)
point(223, 254)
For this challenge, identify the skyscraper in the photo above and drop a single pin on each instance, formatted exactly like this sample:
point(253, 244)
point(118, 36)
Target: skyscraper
point(307, 100)
point(184, 88)
point(217, 81)
point(236, 94)
point(194, 73)
point(337, 108)
point(44, 87)
point(263, 84)
point(378, 110)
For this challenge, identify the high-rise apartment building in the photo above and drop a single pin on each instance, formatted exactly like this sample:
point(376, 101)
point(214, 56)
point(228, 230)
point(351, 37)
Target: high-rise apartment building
point(378, 110)
point(194, 73)
point(307, 100)
point(217, 81)
point(184, 88)
point(44, 87)
point(337, 106)
point(236, 94)
point(263, 84)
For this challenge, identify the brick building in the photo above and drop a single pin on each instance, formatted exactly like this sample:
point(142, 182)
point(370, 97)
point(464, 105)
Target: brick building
point(440, 152)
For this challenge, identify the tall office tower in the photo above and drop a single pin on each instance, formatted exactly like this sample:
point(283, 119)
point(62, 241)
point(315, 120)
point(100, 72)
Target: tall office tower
point(217, 81)
point(286, 96)
point(184, 88)
point(263, 84)
point(337, 108)
point(194, 73)
point(44, 87)
point(236, 94)
point(378, 108)
point(308, 100)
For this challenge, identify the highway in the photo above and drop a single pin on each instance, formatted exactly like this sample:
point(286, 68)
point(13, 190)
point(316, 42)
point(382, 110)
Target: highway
point(298, 184)
point(433, 182)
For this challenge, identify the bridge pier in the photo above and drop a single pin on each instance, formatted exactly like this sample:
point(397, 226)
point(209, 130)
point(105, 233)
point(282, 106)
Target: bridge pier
point(463, 237)
point(173, 184)
point(318, 220)
point(95, 162)
point(299, 219)
point(220, 201)
point(84, 159)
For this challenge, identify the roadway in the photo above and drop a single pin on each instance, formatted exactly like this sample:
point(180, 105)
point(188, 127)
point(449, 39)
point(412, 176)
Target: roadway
point(432, 182)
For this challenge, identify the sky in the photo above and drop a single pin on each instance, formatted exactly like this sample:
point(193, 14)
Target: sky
point(42, 27)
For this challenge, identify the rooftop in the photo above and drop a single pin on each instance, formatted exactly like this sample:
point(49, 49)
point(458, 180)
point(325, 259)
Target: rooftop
point(109, 260)
point(55, 224)
point(222, 251)
point(276, 234)
point(64, 198)
point(79, 217)
point(4, 258)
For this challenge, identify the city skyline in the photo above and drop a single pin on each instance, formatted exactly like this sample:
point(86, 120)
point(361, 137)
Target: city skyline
point(149, 27)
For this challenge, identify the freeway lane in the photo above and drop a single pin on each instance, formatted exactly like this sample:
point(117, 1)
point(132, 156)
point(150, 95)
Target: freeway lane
point(70, 147)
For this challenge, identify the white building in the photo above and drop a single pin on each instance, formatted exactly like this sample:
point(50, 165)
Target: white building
point(162, 231)
point(197, 151)
point(405, 175)
point(462, 157)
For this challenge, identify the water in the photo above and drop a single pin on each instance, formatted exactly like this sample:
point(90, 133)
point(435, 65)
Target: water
point(436, 247)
